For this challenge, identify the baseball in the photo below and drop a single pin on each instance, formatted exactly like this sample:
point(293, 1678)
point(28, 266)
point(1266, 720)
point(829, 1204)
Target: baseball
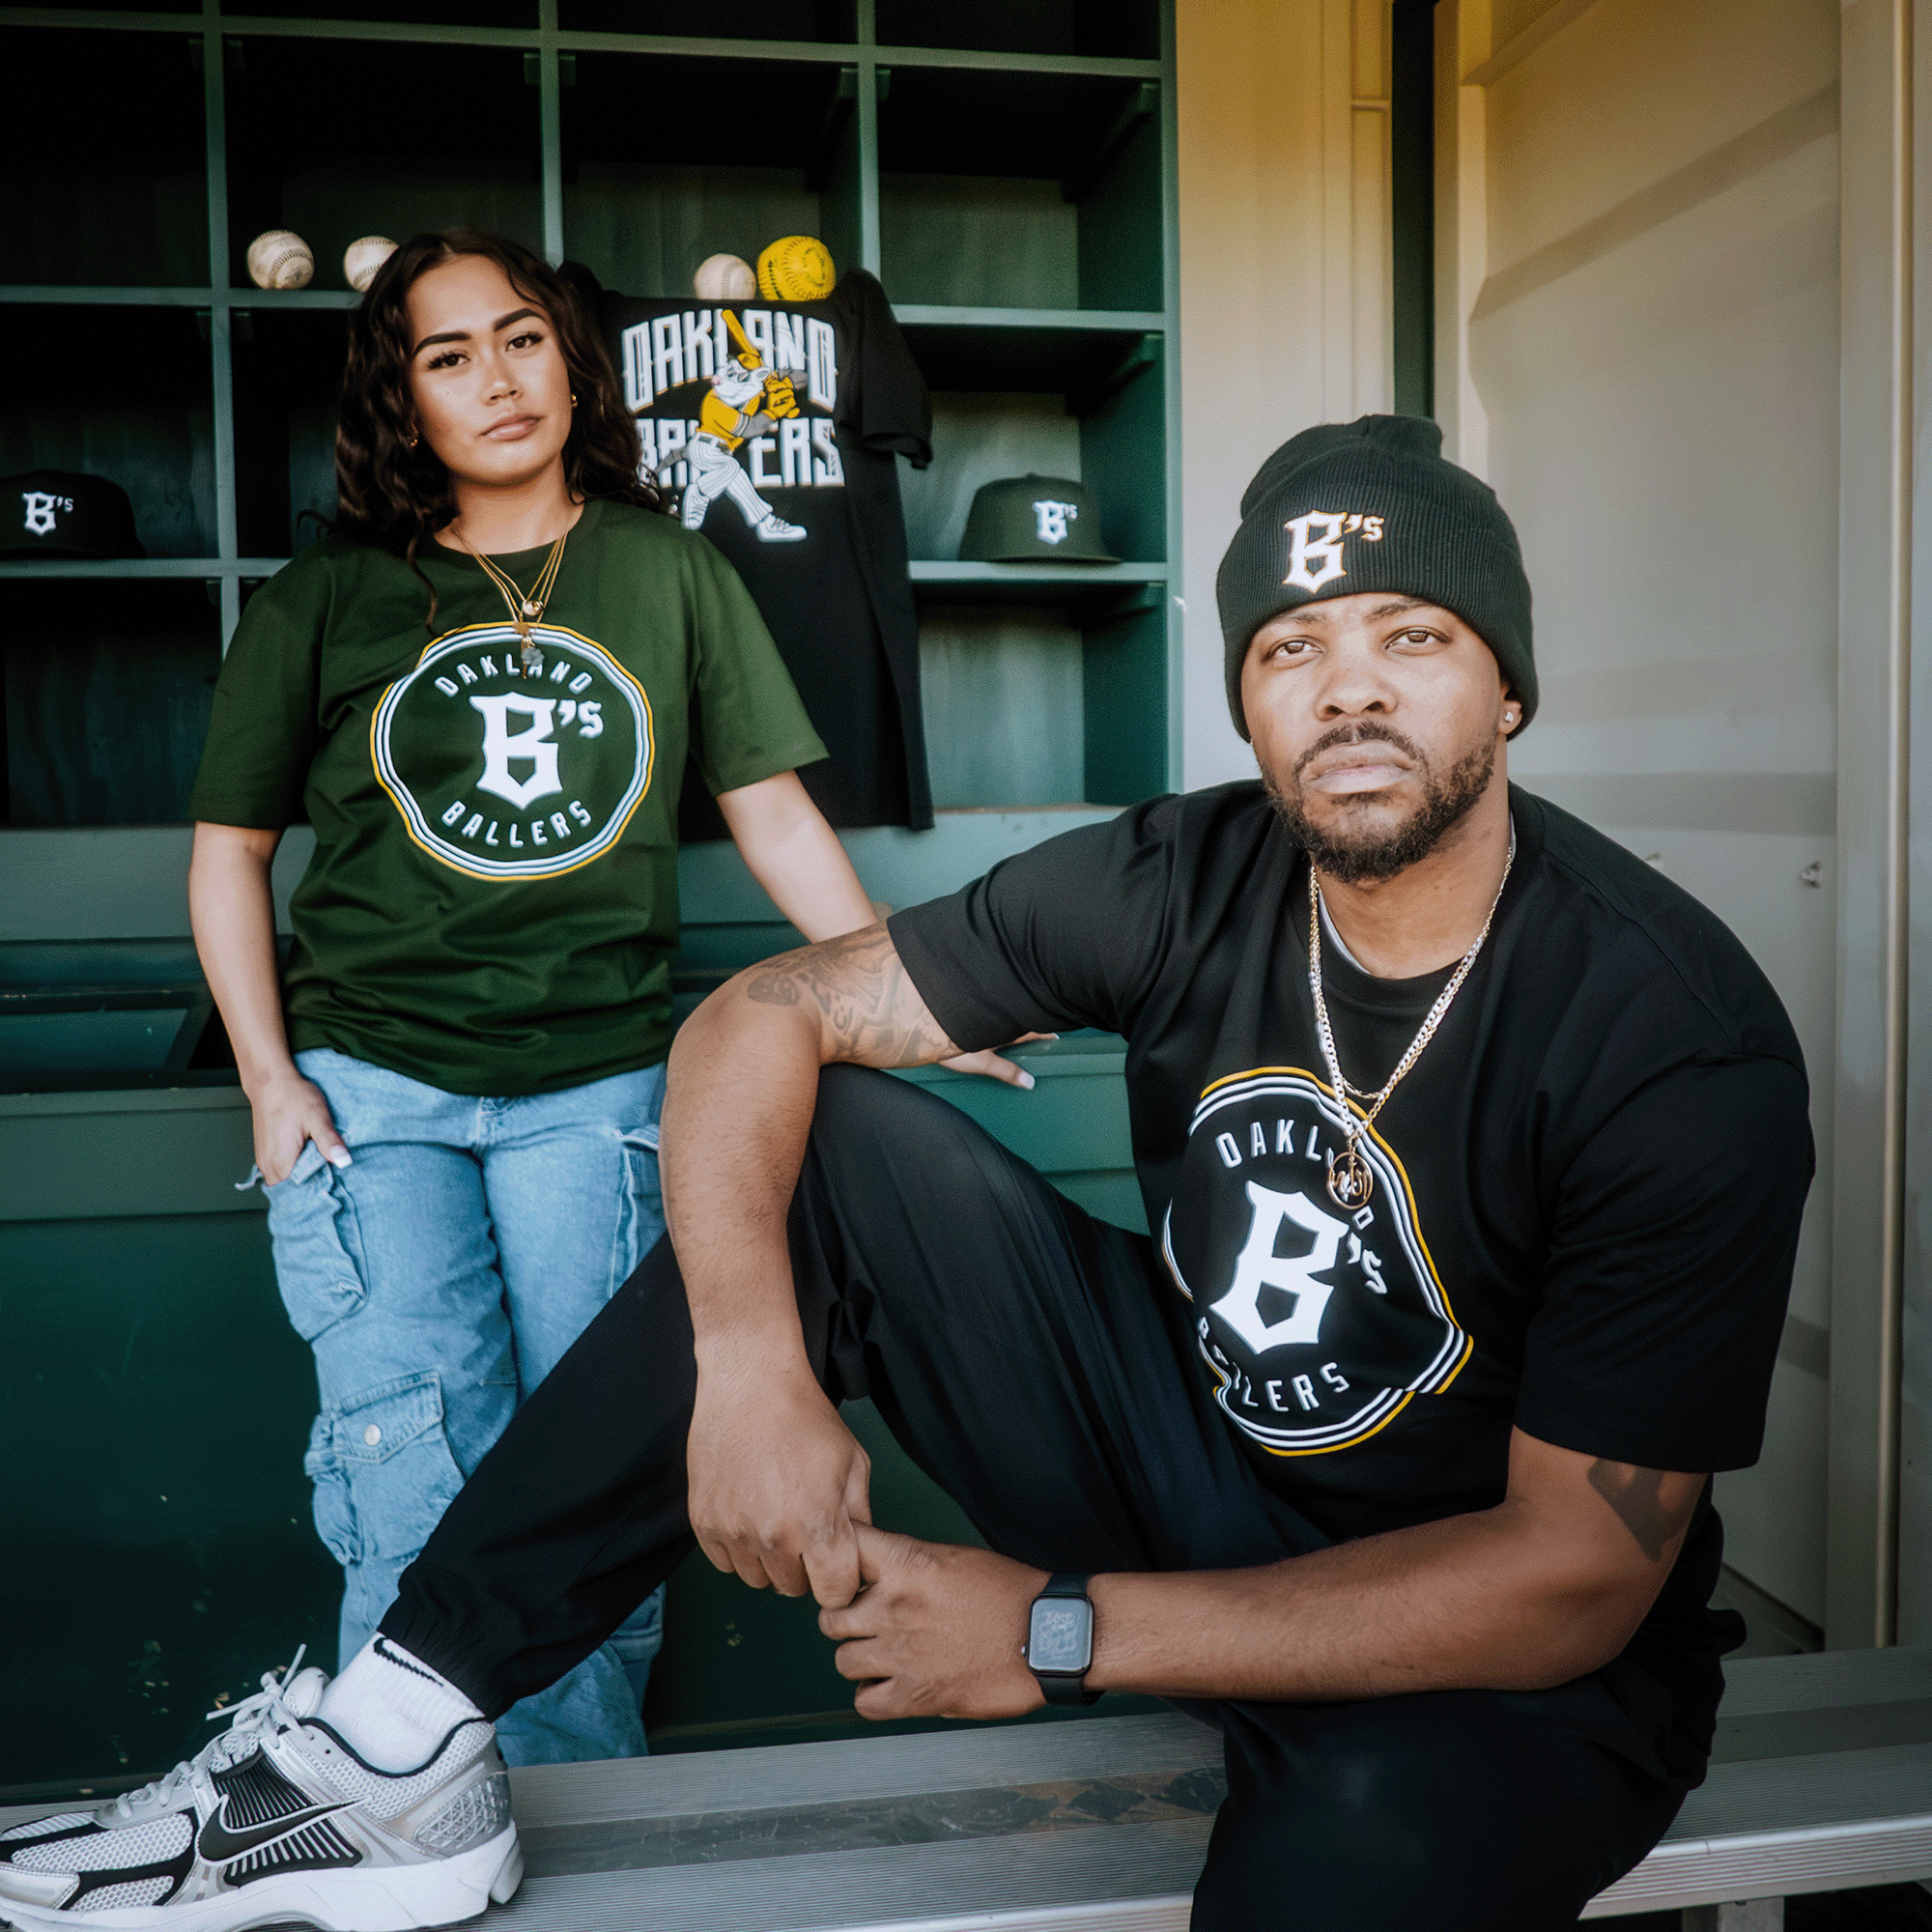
point(279, 259)
point(724, 278)
point(361, 259)
point(796, 268)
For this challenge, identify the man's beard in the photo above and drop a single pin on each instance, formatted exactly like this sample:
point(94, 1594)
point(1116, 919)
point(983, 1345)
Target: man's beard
point(1370, 856)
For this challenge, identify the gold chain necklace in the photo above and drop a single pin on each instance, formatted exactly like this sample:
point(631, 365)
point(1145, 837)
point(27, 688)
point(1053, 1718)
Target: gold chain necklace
point(1351, 1179)
point(523, 611)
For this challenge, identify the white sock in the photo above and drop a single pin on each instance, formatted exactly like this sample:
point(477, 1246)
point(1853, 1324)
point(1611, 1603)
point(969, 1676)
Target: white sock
point(391, 1707)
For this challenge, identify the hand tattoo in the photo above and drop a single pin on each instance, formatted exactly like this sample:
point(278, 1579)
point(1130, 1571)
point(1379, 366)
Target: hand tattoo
point(859, 985)
point(1638, 1498)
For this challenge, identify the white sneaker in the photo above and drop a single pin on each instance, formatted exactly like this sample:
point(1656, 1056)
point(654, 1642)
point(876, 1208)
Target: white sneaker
point(276, 1820)
point(772, 528)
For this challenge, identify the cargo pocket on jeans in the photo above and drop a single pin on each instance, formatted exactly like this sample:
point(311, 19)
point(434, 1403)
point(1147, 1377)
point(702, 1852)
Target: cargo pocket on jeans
point(641, 1213)
point(400, 1476)
point(334, 1511)
point(318, 1245)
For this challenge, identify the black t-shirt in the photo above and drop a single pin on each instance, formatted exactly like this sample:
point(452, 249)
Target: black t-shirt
point(804, 502)
point(1587, 1188)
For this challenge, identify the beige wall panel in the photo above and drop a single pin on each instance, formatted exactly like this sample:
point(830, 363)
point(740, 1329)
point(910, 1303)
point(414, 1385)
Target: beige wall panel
point(1283, 249)
point(1652, 363)
point(1632, 92)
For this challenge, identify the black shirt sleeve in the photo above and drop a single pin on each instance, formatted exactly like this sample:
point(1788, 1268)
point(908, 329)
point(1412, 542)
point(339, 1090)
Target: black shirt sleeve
point(1663, 1303)
point(894, 406)
point(1068, 934)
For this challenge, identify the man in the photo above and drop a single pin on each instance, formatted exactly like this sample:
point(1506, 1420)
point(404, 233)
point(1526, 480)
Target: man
point(1388, 1453)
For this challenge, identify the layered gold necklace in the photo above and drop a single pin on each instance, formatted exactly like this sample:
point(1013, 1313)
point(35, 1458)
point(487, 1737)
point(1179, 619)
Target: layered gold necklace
point(523, 611)
point(1351, 1178)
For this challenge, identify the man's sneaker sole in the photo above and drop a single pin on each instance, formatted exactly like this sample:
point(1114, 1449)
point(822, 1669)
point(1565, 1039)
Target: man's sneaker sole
point(383, 1898)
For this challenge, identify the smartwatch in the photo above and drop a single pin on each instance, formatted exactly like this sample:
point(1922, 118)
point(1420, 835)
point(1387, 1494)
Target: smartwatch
point(1059, 1640)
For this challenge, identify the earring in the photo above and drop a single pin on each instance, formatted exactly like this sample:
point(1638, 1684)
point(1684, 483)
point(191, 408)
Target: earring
point(573, 399)
point(413, 442)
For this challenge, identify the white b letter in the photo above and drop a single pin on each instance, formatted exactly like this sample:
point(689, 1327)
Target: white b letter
point(1306, 549)
point(533, 742)
point(1259, 1266)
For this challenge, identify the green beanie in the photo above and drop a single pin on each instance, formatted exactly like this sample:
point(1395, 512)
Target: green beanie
point(1371, 505)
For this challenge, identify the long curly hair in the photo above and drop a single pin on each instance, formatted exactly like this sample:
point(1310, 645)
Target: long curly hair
point(398, 496)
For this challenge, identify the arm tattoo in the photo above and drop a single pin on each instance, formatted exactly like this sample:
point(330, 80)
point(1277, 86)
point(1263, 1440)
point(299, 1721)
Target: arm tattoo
point(1638, 1498)
point(872, 1009)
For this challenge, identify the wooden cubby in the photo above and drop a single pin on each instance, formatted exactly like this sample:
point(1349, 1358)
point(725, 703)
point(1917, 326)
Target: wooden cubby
point(108, 184)
point(1001, 166)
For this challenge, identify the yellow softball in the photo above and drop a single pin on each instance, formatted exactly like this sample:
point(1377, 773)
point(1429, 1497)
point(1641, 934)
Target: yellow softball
point(796, 268)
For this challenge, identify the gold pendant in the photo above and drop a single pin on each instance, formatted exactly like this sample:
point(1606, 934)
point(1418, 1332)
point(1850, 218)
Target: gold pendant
point(1351, 1181)
point(532, 656)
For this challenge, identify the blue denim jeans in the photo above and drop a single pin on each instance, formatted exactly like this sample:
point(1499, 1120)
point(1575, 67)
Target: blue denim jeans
point(438, 1279)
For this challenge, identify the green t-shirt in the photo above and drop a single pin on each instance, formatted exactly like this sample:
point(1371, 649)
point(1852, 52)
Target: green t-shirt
point(493, 902)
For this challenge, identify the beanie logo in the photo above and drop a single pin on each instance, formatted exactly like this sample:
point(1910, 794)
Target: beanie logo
point(1311, 560)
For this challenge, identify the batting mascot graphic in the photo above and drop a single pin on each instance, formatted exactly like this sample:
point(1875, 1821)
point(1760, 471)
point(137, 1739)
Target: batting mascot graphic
point(747, 399)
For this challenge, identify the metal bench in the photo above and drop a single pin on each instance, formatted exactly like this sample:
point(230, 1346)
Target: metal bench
point(1821, 1781)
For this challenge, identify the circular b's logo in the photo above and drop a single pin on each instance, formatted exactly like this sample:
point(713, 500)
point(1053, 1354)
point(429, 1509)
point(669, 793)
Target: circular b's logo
point(1317, 1323)
point(507, 773)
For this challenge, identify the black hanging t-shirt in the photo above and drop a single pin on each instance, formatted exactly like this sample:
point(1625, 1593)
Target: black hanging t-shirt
point(1587, 1188)
point(804, 499)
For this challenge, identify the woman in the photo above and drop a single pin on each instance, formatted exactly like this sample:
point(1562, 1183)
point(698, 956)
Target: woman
point(480, 691)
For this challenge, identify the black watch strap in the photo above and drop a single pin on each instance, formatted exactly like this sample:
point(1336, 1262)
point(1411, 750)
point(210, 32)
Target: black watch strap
point(1058, 1686)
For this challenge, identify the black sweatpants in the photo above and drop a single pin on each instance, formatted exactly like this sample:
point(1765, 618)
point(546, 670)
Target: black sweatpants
point(1035, 1362)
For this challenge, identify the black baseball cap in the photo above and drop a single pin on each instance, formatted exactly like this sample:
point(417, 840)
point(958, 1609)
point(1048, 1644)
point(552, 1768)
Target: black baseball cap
point(1032, 520)
point(66, 513)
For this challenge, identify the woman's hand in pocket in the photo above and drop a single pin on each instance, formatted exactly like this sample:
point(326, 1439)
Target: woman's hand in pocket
point(289, 1110)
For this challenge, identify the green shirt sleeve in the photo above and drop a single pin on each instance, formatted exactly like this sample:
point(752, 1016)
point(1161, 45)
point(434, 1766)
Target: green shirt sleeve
point(751, 722)
point(263, 732)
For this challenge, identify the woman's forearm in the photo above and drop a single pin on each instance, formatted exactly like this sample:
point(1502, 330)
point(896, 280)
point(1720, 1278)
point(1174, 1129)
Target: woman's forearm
point(232, 907)
point(796, 856)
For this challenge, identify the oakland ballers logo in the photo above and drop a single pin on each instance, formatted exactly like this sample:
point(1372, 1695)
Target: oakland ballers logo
point(1317, 1325)
point(504, 774)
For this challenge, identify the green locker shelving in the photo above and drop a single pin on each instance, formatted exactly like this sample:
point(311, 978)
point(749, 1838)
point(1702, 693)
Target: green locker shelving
point(1005, 167)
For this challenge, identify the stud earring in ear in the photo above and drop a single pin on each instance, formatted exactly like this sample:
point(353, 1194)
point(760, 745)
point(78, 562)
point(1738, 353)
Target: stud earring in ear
point(573, 399)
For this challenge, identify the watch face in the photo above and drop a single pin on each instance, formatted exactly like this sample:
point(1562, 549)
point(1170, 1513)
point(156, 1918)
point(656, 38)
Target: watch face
point(1060, 1634)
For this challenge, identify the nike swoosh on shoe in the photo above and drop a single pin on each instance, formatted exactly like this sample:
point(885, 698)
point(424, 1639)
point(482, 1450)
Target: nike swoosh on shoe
point(217, 1844)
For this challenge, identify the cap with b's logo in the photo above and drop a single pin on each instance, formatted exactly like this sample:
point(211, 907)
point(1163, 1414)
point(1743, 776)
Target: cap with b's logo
point(1373, 505)
point(1032, 520)
point(66, 513)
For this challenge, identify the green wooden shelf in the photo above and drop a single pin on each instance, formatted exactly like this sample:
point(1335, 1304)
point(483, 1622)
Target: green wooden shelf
point(213, 568)
point(83, 296)
point(916, 315)
point(1082, 592)
point(940, 315)
point(1078, 380)
point(239, 25)
point(942, 571)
